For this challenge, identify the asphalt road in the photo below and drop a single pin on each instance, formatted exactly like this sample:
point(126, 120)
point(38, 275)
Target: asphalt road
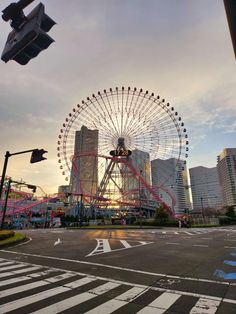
point(142, 271)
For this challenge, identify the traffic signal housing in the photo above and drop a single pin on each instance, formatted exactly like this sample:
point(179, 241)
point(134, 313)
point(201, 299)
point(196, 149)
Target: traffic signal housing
point(37, 155)
point(29, 38)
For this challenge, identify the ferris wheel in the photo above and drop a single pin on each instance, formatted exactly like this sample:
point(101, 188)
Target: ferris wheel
point(123, 121)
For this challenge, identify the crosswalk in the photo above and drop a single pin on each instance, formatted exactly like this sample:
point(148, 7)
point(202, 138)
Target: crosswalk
point(192, 231)
point(29, 288)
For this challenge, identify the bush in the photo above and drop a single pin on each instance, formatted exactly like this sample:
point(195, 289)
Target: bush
point(225, 220)
point(6, 234)
point(158, 222)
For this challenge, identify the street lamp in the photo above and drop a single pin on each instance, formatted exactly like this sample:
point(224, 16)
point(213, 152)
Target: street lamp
point(140, 202)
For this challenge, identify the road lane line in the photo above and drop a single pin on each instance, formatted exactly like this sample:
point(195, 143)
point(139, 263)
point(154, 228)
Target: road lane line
point(175, 243)
point(229, 247)
point(205, 306)
point(200, 245)
point(114, 267)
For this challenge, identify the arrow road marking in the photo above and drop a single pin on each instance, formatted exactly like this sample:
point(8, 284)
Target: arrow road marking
point(103, 246)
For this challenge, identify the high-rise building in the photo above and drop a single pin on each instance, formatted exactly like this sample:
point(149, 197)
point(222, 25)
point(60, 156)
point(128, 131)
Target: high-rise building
point(205, 186)
point(226, 166)
point(84, 173)
point(170, 175)
point(140, 161)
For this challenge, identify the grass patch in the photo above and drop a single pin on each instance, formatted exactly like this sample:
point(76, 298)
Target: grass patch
point(17, 237)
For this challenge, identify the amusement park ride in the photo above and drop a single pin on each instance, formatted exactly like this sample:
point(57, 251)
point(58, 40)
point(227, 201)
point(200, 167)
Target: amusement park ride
point(105, 151)
point(114, 171)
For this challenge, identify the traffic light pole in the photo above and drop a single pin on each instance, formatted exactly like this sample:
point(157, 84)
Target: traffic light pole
point(8, 154)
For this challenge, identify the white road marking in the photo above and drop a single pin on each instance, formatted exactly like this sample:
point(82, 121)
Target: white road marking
point(125, 243)
point(76, 300)
point(175, 243)
point(79, 282)
point(165, 300)
point(103, 246)
point(115, 267)
point(12, 267)
point(20, 244)
point(200, 245)
point(11, 306)
point(22, 288)
point(7, 263)
point(19, 271)
point(205, 306)
point(229, 247)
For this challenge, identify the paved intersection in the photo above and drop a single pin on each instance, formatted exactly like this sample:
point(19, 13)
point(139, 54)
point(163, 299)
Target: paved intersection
point(30, 288)
point(103, 271)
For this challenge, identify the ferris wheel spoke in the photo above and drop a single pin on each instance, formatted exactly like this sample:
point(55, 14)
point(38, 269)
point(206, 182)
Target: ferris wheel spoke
point(146, 123)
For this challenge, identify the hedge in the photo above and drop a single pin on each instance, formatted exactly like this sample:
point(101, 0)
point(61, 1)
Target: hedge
point(5, 234)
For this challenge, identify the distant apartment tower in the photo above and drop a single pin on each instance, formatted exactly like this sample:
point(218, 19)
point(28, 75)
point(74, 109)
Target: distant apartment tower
point(205, 188)
point(171, 175)
point(226, 166)
point(84, 173)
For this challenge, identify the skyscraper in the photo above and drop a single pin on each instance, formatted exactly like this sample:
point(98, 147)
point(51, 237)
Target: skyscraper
point(169, 175)
point(226, 166)
point(205, 186)
point(140, 161)
point(84, 173)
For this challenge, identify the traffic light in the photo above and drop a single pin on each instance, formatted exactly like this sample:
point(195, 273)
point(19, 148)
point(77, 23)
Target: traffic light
point(32, 187)
point(37, 155)
point(29, 35)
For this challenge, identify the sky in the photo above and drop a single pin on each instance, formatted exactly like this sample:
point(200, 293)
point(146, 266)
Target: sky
point(179, 49)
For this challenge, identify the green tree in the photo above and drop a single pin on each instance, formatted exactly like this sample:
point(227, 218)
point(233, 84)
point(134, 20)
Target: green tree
point(161, 214)
point(230, 212)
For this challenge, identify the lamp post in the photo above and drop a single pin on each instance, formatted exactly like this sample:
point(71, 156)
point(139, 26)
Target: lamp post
point(202, 208)
point(140, 202)
point(80, 212)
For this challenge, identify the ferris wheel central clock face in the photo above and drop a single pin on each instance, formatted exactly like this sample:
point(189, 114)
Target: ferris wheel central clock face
point(120, 152)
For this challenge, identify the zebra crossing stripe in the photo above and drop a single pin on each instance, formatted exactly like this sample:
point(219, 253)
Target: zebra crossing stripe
point(76, 300)
point(21, 271)
point(26, 287)
point(79, 282)
point(12, 267)
point(60, 277)
point(11, 306)
point(6, 263)
point(114, 304)
point(205, 306)
point(161, 303)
